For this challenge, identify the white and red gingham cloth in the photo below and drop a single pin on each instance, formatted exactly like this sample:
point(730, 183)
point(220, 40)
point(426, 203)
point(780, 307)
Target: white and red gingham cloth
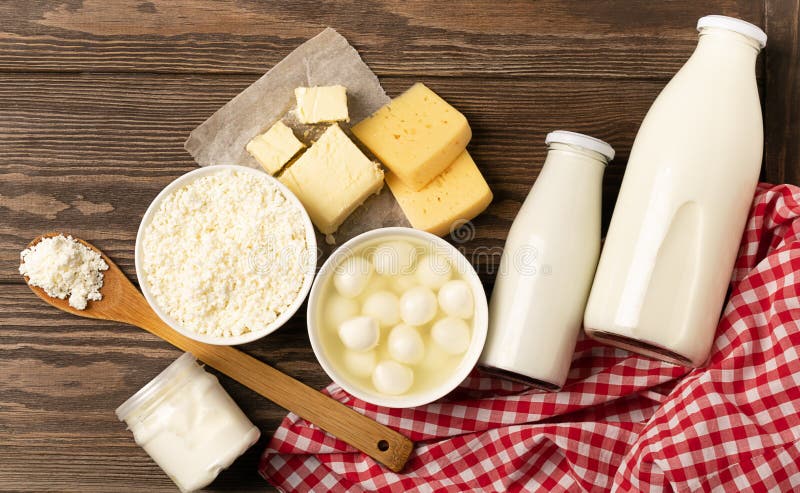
point(622, 422)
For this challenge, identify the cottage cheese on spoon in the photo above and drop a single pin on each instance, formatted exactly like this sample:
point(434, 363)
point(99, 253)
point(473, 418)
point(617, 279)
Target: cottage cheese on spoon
point(63, 266)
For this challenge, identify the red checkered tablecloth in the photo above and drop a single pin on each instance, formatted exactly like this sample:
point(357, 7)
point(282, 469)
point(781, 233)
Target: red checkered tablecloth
point(622, 422)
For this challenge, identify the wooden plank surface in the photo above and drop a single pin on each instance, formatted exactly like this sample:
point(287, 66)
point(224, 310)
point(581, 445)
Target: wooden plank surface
point(782, 99)
point(97, 97)
point(546, 38)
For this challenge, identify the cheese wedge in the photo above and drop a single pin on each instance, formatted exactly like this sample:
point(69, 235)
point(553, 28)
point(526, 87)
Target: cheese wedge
point(457, 195)
point(321, 104)
point(417, 135)
point(275, 147)
point(332, 178)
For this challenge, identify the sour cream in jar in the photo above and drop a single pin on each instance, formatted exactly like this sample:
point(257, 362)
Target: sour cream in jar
point(188, 424)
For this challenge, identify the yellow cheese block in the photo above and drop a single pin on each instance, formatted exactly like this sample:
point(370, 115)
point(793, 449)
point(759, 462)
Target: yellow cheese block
point(458, 194)
point(275, 147)
point(332, 178)
point(417, 135)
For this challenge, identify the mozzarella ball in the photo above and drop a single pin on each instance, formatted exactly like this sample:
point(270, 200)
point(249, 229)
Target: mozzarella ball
point(418, 306)
point(390, 377)
point(360, 364)
point(406, 345)
point(338, 309)
point(394, 258)
point(433, 271)
point(451, 334)
point(359, 333)
point(384, 307)
point(455, 298)
point(351, 276)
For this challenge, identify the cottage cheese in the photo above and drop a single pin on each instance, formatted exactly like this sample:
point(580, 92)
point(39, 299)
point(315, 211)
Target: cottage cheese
point(226, 254)
point(63, 266)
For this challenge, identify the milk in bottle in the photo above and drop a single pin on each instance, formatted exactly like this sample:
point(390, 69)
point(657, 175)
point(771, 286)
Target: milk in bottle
point(670, 249)
point(547, 265)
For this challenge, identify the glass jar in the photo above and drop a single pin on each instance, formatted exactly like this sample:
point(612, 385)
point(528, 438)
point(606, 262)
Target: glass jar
point(188, 424)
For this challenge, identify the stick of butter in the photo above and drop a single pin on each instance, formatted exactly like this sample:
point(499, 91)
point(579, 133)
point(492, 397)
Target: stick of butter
point(275, 147)
point(321, 104)
point(417, 135)
point(332, 178)
point(458, 194)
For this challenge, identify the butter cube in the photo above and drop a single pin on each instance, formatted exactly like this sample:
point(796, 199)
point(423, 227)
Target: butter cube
point(458, 194)
point(332, 178)
point(417, 135)
point(321, 104)
point(274, 148)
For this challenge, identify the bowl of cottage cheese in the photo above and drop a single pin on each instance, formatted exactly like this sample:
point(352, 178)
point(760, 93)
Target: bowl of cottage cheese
point(225, 254)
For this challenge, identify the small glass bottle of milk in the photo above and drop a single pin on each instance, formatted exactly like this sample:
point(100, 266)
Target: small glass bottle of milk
point(693, 169)
point(547, 266)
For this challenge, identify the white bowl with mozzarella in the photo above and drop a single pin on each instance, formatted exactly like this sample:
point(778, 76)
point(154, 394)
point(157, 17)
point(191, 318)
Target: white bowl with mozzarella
point(397, 317)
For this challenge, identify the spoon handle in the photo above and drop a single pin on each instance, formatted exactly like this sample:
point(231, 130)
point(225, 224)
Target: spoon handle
point(374, 439)
point(383, 444)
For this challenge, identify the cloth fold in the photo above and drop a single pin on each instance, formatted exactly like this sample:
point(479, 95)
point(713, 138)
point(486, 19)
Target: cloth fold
point(622, 422)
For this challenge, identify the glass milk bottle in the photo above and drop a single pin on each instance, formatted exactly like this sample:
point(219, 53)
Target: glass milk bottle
point(670, 249)
point(547, 265)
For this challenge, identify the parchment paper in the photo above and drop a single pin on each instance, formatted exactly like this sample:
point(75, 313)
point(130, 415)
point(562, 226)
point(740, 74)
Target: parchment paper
point(327, 59)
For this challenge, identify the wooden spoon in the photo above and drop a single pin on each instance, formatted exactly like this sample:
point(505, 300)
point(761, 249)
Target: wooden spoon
point(122, 302)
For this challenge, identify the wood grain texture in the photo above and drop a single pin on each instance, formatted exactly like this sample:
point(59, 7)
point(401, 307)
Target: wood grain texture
point(782, 105)
point(546, 38)
point(97, 97)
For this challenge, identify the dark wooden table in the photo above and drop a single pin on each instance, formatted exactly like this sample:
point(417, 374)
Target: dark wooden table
point(97, 97)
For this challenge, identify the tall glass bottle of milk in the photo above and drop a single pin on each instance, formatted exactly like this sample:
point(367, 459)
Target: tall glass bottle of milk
point(547, 265)
point(670, 249)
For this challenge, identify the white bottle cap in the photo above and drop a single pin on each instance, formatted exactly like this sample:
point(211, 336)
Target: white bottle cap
point(736, 25)
point(580, 140)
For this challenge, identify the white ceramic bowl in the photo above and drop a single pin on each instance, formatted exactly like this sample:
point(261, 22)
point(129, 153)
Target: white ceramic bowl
point(249, 336)
point(479, 320)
